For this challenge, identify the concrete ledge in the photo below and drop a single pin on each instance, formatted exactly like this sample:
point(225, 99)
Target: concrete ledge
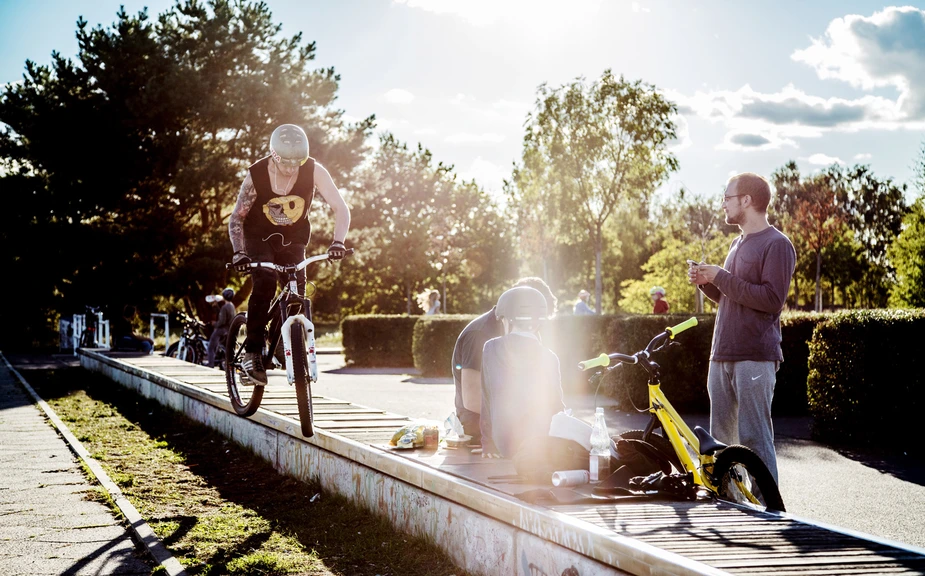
point(482, 530)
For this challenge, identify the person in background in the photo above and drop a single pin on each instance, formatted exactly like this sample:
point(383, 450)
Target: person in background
point(581, 307)
point(750, 289)
point(429, 302)
point(659, 304)
point(221, 325)
point(123, 333)
point(467, 358)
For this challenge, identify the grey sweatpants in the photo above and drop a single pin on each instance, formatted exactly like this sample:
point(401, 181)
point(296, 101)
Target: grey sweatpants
point(740, 406)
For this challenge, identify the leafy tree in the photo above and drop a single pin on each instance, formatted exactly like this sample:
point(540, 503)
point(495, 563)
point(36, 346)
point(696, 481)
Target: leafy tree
point(602, 148)
point(907, 253)
point(131, 155)
point(416, 226)
point(810, 212)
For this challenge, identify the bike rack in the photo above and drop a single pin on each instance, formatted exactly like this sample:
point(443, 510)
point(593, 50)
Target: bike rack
point(166, 318)
point(101, 337)
point(80, 322)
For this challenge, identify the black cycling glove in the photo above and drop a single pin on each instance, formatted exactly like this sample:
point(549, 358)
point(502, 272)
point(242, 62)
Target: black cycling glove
point(240, 262)
point(337, 251)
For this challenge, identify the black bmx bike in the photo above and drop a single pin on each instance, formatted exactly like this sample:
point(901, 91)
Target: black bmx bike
point(289, 342)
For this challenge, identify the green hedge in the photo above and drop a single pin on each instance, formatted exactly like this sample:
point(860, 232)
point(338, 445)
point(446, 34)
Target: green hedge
point(378, 340)
point(428, 341)
point(683, 368)
point(866, 378)
point(434, 340)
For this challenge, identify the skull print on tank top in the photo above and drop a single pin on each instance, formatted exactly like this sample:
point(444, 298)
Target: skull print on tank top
point(286, 215)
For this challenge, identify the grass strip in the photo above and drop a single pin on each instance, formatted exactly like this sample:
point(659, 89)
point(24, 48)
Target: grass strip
point(218, 507)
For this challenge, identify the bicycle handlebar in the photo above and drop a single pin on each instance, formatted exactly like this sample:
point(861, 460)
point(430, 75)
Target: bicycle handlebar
point(290, 267)
point(653, 345)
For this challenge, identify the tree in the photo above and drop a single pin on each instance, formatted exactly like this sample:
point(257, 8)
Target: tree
point(133, 153)
point(416, 225)
point(907, 253)
point(603, 147)
point(811, 212)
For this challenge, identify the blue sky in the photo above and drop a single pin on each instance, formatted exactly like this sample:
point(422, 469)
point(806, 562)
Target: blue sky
point(757, 84)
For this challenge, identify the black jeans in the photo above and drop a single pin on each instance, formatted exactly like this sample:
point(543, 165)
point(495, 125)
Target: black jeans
point(265, 282)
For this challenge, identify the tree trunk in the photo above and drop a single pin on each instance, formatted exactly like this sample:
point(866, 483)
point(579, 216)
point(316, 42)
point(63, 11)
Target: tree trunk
point(408, 297)
point(698, 300)
point(598, 281)
point(818, 284)
point(444, 293)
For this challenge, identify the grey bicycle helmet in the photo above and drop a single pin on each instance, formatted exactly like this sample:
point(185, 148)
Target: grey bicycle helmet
point(228, 294)
point(289, 145)
point(522, 304)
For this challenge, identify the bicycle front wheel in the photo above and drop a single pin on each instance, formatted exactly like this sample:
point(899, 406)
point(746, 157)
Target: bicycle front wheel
point(245, 398)
point(301, 380)
point(740, 476)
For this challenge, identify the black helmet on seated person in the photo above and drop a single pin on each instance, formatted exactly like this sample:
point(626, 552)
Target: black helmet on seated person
point(522, 304)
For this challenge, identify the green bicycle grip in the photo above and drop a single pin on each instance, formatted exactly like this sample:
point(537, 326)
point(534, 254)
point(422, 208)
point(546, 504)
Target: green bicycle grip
point(675, 330)
point(602, 360)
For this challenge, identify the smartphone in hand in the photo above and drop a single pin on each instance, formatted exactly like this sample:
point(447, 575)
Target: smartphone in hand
point(692, 263)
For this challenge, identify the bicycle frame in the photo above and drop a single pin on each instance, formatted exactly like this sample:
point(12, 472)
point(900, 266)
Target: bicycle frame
point(677, 432)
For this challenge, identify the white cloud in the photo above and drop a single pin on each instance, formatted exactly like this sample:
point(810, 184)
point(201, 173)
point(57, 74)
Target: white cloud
point(882, 50)
point(531, 14)
point(425, 131)
point(823, 160)
point(508, 111)
point(682, 129)
point(754, 141)
point(468, 138)
point(637, 8)
point(487, 174)
point(863, 156)
point(398, 96)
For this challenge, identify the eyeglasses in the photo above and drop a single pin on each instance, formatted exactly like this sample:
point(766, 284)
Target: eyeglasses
point(726, 198)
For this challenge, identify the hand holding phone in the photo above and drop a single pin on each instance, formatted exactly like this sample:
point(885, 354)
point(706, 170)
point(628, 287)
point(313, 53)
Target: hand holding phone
point(692, 263)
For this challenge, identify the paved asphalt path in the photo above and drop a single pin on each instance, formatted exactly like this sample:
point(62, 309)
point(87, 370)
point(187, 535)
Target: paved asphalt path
point(883, 497)
point(47, 525)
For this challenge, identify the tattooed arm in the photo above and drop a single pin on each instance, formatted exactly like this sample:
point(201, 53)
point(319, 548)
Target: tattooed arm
point(246, 198)
point(325, 185)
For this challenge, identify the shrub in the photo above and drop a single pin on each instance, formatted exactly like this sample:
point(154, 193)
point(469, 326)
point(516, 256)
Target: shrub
point(790, 397)
point(378, 340)
point(865, 377)
point(683, 368)
point(434, 340)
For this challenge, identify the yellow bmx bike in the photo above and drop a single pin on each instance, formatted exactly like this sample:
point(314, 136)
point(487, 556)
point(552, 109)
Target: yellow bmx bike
point(731, 473)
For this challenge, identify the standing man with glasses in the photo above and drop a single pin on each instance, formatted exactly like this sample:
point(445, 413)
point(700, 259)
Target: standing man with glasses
point(270, 224)
point(750, 288)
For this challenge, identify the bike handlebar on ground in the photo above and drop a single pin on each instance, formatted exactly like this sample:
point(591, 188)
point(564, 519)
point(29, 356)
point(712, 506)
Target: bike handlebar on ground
point(654, 345)
point(286, 268)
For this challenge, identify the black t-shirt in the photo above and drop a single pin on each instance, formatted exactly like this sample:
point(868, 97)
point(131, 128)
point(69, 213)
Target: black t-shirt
point(468, 354)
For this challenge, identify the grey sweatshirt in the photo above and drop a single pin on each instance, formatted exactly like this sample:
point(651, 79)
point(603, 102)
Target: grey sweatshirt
point(751, 291)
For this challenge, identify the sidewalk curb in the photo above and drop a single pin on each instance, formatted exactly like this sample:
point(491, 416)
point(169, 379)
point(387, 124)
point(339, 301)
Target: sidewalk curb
point(143, 533)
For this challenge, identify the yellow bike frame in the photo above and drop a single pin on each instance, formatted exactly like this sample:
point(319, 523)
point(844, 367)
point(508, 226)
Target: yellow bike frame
point(677, 432)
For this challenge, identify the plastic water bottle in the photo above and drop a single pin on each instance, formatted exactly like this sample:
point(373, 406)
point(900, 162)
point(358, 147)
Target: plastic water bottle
point(600, 448)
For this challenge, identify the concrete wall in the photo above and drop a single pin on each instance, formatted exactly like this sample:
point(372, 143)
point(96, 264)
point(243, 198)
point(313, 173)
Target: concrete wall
point(483, 531)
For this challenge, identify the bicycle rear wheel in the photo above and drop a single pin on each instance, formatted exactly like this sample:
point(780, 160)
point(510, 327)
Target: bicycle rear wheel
point(301, 380)
point(660, 443)
point(740, 476)
point(245, 398)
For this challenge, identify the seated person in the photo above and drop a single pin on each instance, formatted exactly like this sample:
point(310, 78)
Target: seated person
point(467, 358)
point(123, 333)
point(521, 385)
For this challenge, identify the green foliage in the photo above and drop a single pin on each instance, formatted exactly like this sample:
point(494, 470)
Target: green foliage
point(865, 381)
point(127, 160)
point(379, 340)
point(416, 226)
point(907, 254)
point(591, 151)
point(668, 268)
point(434, 342)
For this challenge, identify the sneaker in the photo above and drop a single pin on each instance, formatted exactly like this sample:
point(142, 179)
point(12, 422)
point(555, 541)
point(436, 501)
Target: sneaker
point(254, 374)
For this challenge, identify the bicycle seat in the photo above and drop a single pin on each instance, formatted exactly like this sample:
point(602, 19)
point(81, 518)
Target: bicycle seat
point(708, 444)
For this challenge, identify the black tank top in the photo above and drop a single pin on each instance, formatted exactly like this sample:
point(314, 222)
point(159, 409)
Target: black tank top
point(275, 214)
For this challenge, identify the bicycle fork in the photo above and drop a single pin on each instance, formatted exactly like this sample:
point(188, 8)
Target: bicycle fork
point(308, 331)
